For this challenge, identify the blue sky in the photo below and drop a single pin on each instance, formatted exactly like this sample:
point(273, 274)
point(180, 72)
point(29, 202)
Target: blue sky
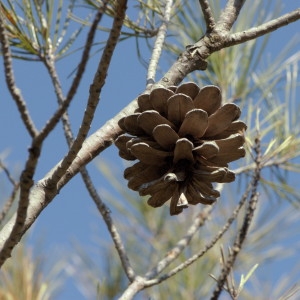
point(72, 215)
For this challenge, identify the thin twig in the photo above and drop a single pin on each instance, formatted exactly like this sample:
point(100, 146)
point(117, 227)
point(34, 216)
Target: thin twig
point(208, 16)
point(103, 209)
point(49, 61)
point(208, 246)
point(267, 163)
point(86, 52)
point(240, 238)
point(95, 90)
point(158, 45)
point(253, 33)
point(181, 244)
point(7, 173)
point(9, 202)
point(11, 84)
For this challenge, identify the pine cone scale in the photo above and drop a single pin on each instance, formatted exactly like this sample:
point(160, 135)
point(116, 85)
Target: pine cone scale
point(209, 99)
point(194, 124)
point(165, 136)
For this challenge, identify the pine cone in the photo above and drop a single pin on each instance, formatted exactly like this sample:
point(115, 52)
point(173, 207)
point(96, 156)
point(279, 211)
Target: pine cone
point(184, 140)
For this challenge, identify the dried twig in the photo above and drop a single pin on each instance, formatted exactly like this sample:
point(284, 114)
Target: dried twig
point(11, 84)
point(158, 45)
point(240, 238)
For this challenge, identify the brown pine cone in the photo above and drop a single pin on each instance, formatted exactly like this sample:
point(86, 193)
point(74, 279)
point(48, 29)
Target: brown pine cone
point(184, 140)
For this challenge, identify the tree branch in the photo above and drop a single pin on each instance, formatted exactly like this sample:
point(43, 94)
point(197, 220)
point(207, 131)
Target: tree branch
point(208, 246)
point(181, 244)
point(136, 286)
point(8, 203)
point(158, 45)
point(105, 212)
point(253, 33)
point(68, 133)
point(208, 16)
point(49, 61)
point(26, 182)
point(240, 238)
point(11, 84)
point(12, 197)
point(229, 16)
point(95, 90)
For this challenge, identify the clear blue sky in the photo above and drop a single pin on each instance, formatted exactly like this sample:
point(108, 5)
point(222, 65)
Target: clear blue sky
point(72, 215)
